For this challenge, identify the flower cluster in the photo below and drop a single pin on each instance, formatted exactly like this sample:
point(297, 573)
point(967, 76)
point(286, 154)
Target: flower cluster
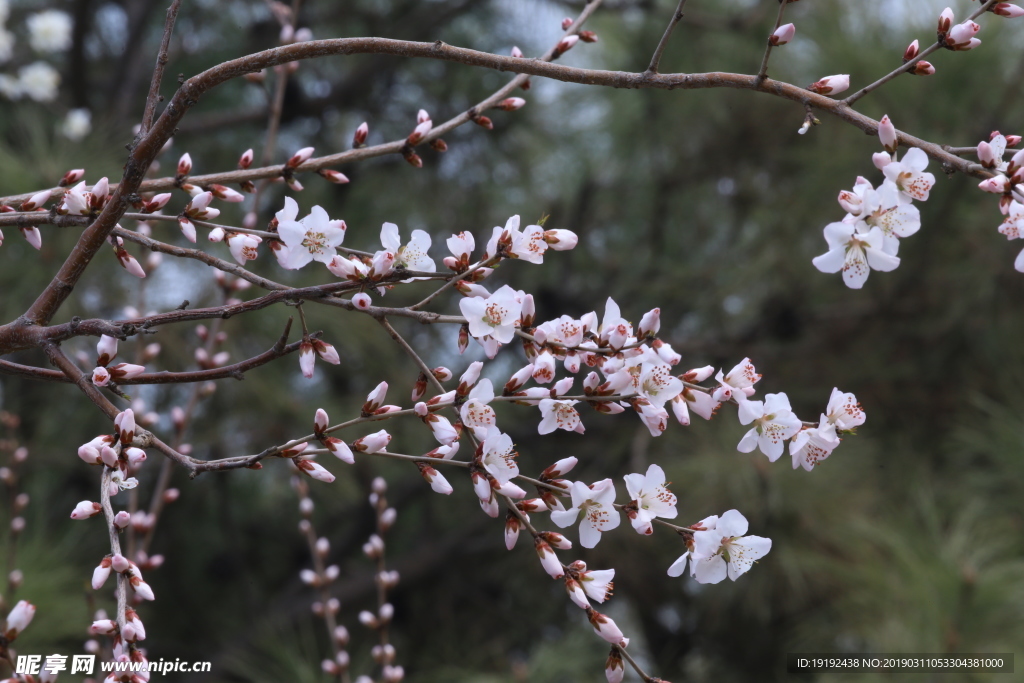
point(868, 237)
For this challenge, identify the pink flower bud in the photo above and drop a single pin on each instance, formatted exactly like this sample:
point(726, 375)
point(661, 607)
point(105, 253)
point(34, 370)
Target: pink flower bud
point(32, 236)
point(71, 177)
point(986, 156)
point(126, 371)
point(336, 177)
point(136, 456)
point(511, 103)
point(36, 201)
point(782, 35)
point(125, 423)
point(923, 68)
point(339, 449)
point(997, 185)
point(314, 470)
point(122, 519)
point(119, 563)
point(650, 323)
point(561, 240)
point(373, 443)
point(245, 161)
point(106, 349)
point(320, 421)
point(911, 51)
point(100, 574)
point(420, 132)
point(436, 480)
point(831, 85)
point(516, 52)
point(887, 134)
point(300, 157)
point(103, 627)
point(306, 359)
point(1007, 9)
point(565, 44)
point(19, 618)
point(359, 138)
point(566, 23)
point(129, 263)
point(85, 510)
point(548, 559)
point(100, 377)
point(362, 301)
point(184, 164)
point(946, 19)
point(614, 670)
point(327, 352)
point(604, 627)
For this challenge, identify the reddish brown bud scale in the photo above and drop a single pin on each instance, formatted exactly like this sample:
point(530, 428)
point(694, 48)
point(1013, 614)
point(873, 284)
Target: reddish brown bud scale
point(439, 145)
point(484, 122)
point(413, 158)
point(588, 36)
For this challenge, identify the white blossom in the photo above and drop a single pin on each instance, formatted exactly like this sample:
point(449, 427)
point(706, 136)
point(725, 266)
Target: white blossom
point(596, 503)
point(725, 550)
point(651, 498)
point(49, 31)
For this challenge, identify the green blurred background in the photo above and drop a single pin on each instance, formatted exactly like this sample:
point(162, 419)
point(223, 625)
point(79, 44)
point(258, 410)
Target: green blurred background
point(705, 203)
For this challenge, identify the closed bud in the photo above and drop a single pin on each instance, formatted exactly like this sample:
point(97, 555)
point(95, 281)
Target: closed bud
point(511, 103)
point(923, 68)
point(565, 44)
point(336, 177)
point(184, 164)
point(359, 138)
point(831, 85)
point(782, 35)
point(911, 51)
point(300, 157)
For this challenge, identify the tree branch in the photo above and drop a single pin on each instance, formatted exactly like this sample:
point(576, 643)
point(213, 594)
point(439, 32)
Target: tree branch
point(677, 16)
point(158, 70)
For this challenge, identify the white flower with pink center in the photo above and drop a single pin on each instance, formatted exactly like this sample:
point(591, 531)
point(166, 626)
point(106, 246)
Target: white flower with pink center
point(909, 174)
point(888, 209)
point(724, 550)
point(495, 316)
point(596, 503)
point(650, 497)
point(476, 413)
point(774, 422)
point(413, 255)
point(529, 245)
point(811, 446)
point(558, 414)
point(314, 238)
point(653, 380)
point(855, 254)
point(498, 456)
point(844, 411)
point(738, 383)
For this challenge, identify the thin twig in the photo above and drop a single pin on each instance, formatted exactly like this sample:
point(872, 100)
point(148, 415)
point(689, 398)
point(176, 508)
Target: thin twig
point(912, 63)
point(677, 16)
point(158, 70)
point(762, 73)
